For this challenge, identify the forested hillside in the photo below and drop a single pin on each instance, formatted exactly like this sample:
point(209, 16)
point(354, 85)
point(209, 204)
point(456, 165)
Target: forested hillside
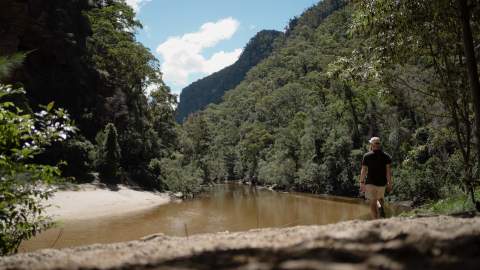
point(302, 118)
point(210, 89)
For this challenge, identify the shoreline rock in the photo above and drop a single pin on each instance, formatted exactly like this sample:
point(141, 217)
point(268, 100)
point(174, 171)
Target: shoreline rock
point(440, 242)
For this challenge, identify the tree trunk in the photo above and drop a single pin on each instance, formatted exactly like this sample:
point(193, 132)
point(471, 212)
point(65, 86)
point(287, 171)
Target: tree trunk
point(472, 73)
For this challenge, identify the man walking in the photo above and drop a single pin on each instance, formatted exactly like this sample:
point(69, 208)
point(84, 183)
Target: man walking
point(376, 166)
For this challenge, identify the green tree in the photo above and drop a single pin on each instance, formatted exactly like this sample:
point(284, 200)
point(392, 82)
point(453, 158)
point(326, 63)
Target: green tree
point(178, 176)
point(197, 142)
point(254, 138)
point(109, 156)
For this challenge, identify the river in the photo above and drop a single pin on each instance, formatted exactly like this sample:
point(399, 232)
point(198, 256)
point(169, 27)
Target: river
point(229, 207)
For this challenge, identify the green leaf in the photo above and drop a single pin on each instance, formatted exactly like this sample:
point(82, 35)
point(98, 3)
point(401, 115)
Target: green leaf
point(50, 106)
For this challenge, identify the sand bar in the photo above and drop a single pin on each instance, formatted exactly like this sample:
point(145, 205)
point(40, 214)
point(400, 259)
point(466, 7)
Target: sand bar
point(92, 201)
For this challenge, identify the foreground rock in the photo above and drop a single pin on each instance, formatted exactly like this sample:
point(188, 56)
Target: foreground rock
point(398, 243)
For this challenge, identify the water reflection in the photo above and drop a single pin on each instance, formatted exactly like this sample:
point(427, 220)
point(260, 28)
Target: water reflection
point(229, 207)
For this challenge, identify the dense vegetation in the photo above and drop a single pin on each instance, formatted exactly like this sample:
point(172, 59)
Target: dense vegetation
point(81, 56)
point(23, 184)
point(301, 119)
point(211, 89)
point(126, 68)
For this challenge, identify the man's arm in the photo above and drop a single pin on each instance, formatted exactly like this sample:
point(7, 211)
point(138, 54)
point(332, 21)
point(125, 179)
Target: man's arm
point(363, 174)
point(389, 177)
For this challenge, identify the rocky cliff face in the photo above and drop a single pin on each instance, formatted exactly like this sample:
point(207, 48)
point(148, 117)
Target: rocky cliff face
point(210, 89)
point(54, 34)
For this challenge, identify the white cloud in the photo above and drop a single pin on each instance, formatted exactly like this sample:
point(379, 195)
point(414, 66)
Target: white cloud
point(182, 55)
point(137, 4)
point(220, 60)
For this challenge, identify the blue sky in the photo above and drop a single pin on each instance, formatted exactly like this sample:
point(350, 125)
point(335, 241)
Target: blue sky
point(194, 38)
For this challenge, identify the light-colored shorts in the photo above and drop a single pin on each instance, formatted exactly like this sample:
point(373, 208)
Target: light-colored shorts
point(373, 192)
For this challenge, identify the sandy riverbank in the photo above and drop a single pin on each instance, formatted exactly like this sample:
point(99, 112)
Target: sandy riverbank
point(92, 201)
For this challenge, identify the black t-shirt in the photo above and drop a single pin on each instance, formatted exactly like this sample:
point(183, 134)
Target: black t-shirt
point(376, 162)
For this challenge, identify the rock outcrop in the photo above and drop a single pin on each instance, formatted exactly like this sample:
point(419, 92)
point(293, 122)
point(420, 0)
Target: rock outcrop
point(399, 243)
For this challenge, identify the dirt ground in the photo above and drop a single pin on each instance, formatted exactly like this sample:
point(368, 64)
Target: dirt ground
point(440, 242)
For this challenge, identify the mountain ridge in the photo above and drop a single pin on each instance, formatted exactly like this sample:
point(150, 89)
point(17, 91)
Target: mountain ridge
point(211, 89)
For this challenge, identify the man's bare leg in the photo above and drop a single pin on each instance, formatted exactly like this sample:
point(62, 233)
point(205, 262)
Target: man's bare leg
point(373, 209)
point(382, 205)
point(381, 201)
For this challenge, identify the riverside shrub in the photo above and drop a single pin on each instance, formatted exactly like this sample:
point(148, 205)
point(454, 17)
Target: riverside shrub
point(23, 183)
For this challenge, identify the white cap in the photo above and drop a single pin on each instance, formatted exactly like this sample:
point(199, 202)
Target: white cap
point(374, 139)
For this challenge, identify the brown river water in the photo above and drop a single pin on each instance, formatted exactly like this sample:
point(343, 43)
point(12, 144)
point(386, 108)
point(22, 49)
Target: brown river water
point(229, 207)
